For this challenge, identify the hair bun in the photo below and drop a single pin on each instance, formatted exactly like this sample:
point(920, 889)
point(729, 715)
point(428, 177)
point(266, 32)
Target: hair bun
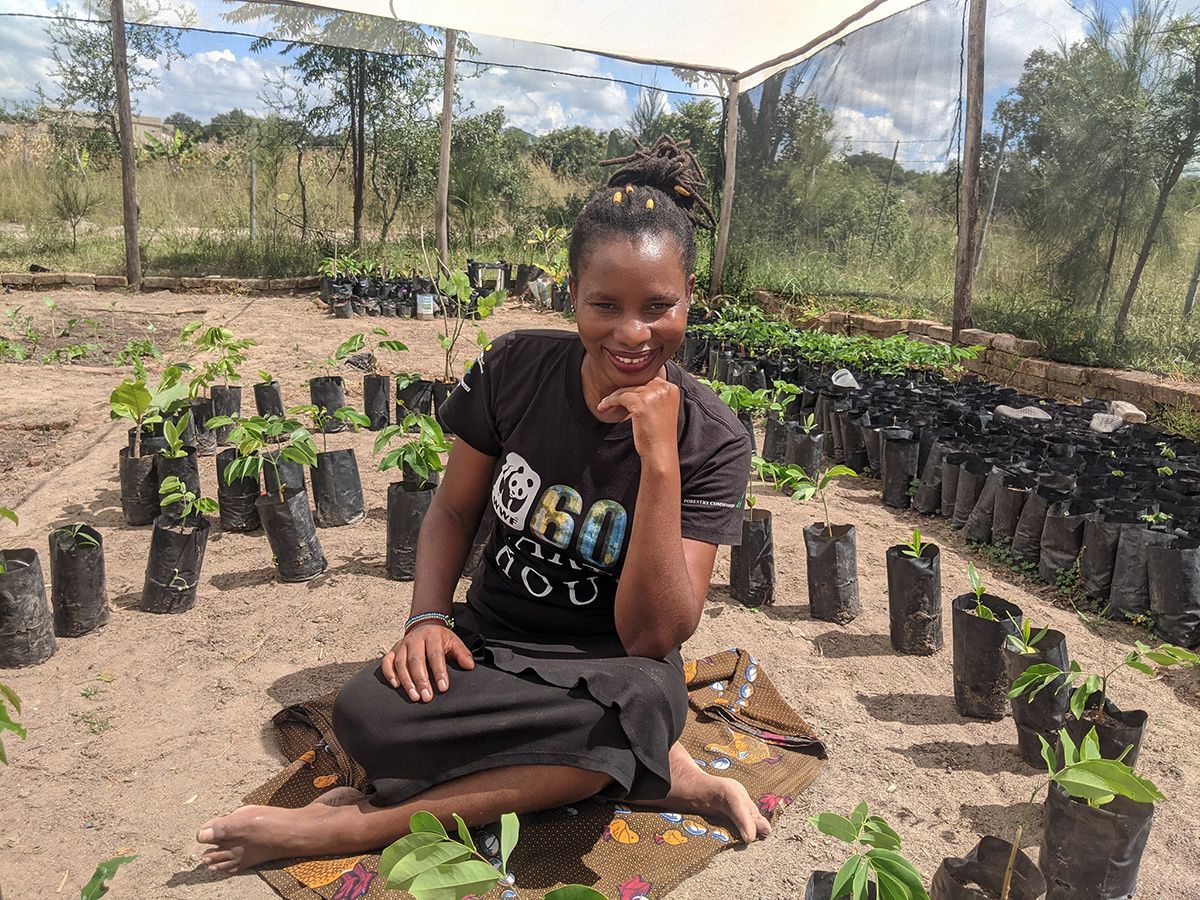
point(670, 167)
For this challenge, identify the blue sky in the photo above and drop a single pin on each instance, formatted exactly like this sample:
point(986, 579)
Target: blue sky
point(894, 80)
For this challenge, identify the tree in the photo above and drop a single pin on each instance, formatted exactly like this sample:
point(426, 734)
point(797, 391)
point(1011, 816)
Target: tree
point(489, 175)
point(81, 66)
point(1176, 113)
point(570, 151)
point(404, 160)
point(699, 123)
point(187, 125)
point(648, 119)
point(356, 61)
point(231, 126)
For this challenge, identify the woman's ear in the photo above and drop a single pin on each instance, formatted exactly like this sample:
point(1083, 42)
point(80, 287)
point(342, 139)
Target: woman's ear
point(691, 287)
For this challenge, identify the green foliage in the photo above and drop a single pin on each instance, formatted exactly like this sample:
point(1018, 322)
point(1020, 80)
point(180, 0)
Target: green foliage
point(418, 454)
point(8, 698)
point(321, 417)
point(748, 326)
point(1086, 775)
point(138, 350)
point(1092, 689)
point(76, 533)
point(570, 151)
point(97, 885)
point(177, 150)
point(431, 865)
point(1024, 641)
point(975, 580)
point(915, 546)
point(894, 876)
point(173, 434)
point(781, 394)
point(388, 343)
point(740, 398)
point(257, 436)
point(457, 287)
point(352, 344)
point(172, 491)
point(224, 351)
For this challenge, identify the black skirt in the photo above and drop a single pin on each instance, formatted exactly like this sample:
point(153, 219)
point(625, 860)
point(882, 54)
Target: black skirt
point(530, 700)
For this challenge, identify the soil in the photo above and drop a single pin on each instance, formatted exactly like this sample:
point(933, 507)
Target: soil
point(143, 730)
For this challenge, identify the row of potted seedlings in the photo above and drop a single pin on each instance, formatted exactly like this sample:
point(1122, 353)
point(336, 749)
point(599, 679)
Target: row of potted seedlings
point(1093, 839)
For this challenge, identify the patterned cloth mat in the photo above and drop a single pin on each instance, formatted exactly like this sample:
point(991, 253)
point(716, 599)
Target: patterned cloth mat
point(738, 726)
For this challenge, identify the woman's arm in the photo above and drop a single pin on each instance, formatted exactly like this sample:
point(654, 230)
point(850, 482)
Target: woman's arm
point(664, 580)
point(419, 657)
point(450, 526)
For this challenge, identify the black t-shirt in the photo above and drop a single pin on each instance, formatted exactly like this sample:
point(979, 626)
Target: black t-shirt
point(567, 483)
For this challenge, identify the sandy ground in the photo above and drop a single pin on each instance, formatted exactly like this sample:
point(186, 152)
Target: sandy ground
point(140, 732)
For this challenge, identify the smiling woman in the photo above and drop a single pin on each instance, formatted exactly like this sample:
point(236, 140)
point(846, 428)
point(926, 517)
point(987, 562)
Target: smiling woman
point(613, 476)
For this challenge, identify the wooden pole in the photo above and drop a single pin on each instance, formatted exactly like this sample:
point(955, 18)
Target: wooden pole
point(253, 191)
point(887, 189)
point(1190, 301)
point(968, 194)
point(987, 213)
point(731, 136)
point(442, 203)
point(129, 204)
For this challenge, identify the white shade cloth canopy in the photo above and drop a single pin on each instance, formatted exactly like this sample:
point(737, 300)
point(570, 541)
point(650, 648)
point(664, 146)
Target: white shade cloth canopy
point(751, 38)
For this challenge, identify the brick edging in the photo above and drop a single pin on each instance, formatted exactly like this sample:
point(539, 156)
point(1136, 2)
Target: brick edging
point(208, 284)
point(1014, 362)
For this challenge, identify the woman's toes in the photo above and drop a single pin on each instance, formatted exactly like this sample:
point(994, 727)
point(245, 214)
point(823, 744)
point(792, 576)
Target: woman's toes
point(208, 833)
point(227, 866)
point(217, 856)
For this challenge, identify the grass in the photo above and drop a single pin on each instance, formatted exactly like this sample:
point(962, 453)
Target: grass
point(95, 722)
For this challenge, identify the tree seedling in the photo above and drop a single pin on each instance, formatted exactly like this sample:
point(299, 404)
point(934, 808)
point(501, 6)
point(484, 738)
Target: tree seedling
point(265, 377)
point(173, 435)
point(894, 876)
point(808, 486)
point(256, 437)
point(97, 885)
point(8, 697)
point(418, 456)
point(1156, 518)
point(1084, 688)
point(431, 865)
point(809, 424)
point(321, 417)
point(6, 513)
point(389, 344)
point(915, 547)
point(456, 287)
point(134, 400)
point(76, 533)
point(1024, 641)
point(172, 491)
point(1084, 775)
point(976, 581)
point(781, 396)
point(352, 344)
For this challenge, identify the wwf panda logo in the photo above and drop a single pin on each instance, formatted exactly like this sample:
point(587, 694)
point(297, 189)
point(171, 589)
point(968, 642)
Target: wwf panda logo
point(514, 491)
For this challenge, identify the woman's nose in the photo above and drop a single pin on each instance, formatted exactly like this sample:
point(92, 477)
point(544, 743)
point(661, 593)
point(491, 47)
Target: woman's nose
point(632, 331)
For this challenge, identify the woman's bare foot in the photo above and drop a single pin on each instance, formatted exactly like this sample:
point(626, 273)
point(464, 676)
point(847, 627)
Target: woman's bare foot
point(696, 791)
point(252, 835)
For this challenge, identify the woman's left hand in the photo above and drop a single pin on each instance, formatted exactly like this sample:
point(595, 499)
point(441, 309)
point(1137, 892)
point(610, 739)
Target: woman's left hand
point(654, 409)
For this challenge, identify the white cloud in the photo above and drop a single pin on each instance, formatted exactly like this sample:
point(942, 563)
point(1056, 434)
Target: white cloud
point(211, 82)
point(899, 79)
point(541, 101)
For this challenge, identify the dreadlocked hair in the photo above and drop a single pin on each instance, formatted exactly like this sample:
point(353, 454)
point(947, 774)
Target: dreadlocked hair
point(658, 188)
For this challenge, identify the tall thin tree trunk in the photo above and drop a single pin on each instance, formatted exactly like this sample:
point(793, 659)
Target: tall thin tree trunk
point(1190, 300)
point(303, 193)
point(887, 189)
point(358, 150)
point(129, 204)
point(1112, 248)
point(442, 198)
point(1160, 208)
point(987, 214)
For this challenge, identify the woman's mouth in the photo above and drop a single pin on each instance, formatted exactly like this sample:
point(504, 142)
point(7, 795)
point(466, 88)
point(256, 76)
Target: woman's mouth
point(632, 363)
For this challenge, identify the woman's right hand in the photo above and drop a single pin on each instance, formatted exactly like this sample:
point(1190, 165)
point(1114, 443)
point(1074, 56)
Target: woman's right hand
point(420, 656)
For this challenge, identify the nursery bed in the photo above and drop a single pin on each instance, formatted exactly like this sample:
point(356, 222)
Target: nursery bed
point(137, 733)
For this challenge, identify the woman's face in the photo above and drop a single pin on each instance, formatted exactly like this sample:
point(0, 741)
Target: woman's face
point(631, 301)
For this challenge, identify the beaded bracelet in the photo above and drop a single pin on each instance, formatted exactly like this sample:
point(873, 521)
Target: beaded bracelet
point(418, 618)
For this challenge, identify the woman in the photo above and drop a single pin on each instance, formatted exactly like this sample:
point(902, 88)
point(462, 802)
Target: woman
point(560, 677)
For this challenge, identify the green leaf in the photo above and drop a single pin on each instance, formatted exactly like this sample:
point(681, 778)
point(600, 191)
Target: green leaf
point(473, 875)
point(464, 833)
point(394, 346)
point(835, 826)
point(574, 892)
point(845, 876)
point(859, 815)
point(858, 886)
point(422, 859)
point(879, 834)
point(1070, 751)
point(403, 847)
point(1048, 756)
point(426, 822)
point(899, 868)
point(96, 887)
point(11, 696)
point(510, 831)
point(888, 887)
point(1111, 776)
point(7, 513)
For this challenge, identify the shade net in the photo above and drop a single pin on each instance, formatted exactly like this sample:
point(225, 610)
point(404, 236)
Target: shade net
point(1076, 99)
